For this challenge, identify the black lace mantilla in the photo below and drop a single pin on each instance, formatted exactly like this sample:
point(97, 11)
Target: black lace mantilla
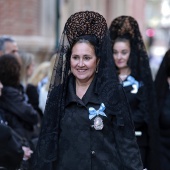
point(85, 23)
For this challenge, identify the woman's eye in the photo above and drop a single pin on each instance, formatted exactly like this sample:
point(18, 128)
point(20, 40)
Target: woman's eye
point(124, 52)
point(75, 57)
point(87, 58)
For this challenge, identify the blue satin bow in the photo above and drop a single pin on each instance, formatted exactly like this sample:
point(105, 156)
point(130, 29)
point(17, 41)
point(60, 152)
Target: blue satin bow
point(130, 81)
point(93, 112)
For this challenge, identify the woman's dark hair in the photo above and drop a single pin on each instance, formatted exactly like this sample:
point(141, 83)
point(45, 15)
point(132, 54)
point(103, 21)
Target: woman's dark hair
point(89, 39)
point(133, 61)
point(124, 39)
point(9, 70)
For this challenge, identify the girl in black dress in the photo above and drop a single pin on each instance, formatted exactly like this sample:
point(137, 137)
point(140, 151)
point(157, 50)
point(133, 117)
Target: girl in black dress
point(87, 123)
point(132, 65)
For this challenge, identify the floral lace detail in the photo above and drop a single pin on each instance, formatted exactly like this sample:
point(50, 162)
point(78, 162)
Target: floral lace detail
point(85, 23)
point(126, 25)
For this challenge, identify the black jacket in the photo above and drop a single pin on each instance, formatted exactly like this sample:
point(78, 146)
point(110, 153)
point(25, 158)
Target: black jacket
point(79, 145)
point(11, 152)
point(19, 114)
point(138, 105)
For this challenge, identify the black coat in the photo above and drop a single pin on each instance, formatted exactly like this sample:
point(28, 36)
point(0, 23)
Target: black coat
point(140, 116)
point(80, 146)
point(11, 152)
point(138, 105)
point(33, 97)
point(19, 114)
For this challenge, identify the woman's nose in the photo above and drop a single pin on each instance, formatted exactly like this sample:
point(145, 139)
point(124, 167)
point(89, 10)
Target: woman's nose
point(119, 56)
point(81, 63)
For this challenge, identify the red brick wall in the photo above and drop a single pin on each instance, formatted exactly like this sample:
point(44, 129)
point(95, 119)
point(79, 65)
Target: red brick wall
point(20, 17)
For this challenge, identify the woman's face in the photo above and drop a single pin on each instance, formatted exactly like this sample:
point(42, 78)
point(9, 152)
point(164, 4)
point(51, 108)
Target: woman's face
point(83, 62)
point(30, 69)
point(121, 53)
point(1, 86)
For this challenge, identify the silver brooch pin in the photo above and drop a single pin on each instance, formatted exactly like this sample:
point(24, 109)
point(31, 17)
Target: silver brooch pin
point(98, 122)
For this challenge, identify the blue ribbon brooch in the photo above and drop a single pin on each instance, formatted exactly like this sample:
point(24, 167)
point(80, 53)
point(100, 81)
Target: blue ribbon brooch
point(134, 83)
point(98, 122)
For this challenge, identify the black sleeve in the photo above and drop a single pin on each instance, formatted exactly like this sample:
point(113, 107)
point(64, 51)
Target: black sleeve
point(22, 109)
point(11, 149)
point(139, 109)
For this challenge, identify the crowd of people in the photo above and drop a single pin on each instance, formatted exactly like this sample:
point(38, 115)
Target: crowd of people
point(92, 106)
point(20, 114)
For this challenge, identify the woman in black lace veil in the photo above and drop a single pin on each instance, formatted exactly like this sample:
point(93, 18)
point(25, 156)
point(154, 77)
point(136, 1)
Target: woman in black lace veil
point(162, 84)
point(93, 130)
point(136, 78)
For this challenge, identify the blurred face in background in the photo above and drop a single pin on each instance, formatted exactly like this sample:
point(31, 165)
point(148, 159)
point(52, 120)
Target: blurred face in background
point(30, 69)
point(1, 87)
point(11, 48)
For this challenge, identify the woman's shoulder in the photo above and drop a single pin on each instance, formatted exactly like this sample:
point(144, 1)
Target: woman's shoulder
point(10, 91)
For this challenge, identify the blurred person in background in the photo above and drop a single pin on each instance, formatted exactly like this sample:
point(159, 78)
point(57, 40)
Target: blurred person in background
point(20, 115)
point(11, 153)
point(12, 146)
point(45, 87)
point(162, 84)
point(29, 90)
point(44, 74)
point(9, 46)
point(26, 60)
point(27, 70)
point(133, 69)
point(27, 67)
point(40, 73)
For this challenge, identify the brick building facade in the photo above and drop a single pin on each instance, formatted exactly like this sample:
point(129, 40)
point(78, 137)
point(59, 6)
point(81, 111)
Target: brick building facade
point(20, 17)
point(36, 24)
point(31, 23)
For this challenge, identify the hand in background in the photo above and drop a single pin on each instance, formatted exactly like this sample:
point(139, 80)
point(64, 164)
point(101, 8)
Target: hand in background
point(27, 152)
